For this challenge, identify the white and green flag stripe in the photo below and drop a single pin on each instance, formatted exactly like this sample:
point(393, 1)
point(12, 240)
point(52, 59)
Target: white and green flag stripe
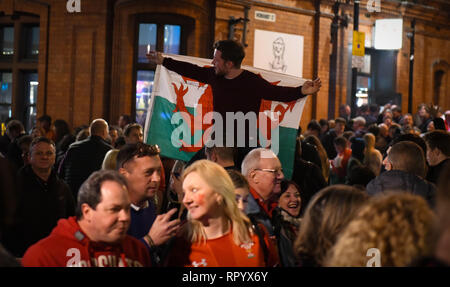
point(179, 135)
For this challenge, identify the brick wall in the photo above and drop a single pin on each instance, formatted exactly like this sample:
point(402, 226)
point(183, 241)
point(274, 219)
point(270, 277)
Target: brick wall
point(87, 71)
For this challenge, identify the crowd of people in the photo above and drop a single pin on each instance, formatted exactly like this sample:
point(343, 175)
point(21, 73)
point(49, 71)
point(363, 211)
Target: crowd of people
point(376, 183)
point(109, 199)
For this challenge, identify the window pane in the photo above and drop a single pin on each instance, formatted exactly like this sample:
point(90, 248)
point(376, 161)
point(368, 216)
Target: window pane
point(144, 85)
point(5, 113)
point(32, 41)
point(5, 87)
point(172, 34)
point(147, 36)
point(6, 41)
point(31, 90)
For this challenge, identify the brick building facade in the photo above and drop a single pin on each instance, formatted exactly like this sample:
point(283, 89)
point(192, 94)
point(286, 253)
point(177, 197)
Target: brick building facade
point(87, 62)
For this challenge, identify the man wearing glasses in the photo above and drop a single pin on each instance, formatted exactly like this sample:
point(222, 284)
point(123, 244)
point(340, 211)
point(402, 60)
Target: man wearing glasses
point(43, 197)
point(140, 164)
point(262, 168)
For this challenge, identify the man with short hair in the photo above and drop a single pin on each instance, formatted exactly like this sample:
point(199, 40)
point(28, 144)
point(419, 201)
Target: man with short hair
point(86, 156)
point(140, 164)
point(345, 112)
point(406, 161)
point(15, 131)
point(97, 236)
point(359, 126)
point(235, 89)
point(45, 122)
point(224, 156)
point(438, 153)
point(339, 164)
point(263, 171)
point(328, 139)
point(132, 134)
point(43, 198)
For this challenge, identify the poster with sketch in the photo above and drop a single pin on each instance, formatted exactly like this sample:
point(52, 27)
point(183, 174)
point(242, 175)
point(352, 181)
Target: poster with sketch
point(278, 52)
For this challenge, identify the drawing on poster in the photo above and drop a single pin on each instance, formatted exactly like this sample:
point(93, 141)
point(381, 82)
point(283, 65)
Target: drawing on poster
point(277, 63)
point(278, 52)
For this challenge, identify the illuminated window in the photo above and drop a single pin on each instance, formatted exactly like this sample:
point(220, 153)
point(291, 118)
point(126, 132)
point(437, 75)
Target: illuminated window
point(166, 33)
point(19, 52)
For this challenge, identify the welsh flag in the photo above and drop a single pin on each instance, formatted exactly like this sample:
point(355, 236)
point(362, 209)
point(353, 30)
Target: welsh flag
point(178, 120)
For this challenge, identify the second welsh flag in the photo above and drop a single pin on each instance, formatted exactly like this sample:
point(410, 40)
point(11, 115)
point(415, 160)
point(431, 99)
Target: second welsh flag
point(176, 119)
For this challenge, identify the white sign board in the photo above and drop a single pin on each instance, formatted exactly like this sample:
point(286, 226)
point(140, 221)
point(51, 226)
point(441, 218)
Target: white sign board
point(388, 34)
point(265, 16)
point(278, 52)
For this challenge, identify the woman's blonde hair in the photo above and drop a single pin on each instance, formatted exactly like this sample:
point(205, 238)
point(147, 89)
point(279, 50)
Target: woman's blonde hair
point(399, 225)
point(220, 182)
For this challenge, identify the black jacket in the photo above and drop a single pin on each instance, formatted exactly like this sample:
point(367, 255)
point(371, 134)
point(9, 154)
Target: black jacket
point(82, 159)
point(328, 143)
point(41, 204)
point(435, 171)
point(397, 180)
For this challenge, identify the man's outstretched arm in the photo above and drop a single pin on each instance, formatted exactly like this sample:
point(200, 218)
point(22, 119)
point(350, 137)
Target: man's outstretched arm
point(185, 69)
point(311, 87)
point(288, 94)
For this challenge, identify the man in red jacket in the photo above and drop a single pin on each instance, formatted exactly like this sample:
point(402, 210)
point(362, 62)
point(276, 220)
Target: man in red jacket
point(97, 236)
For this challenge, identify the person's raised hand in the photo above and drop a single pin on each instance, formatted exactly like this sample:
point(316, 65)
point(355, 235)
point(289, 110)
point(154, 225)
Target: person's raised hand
point(155, 57)
point(163, 229)
point(311, 87)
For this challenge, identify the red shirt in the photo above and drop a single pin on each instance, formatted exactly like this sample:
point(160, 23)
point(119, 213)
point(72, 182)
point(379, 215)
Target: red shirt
point(221, 252)
point(267, 206)
point(68, 246)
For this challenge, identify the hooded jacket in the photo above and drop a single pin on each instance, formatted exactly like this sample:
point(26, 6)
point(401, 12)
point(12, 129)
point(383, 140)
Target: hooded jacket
point(68, 246)
point(397, 180)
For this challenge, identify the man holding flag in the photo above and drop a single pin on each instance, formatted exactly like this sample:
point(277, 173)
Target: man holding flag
point(235, 90)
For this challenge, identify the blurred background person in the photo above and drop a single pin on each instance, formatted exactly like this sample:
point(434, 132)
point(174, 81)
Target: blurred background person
point(398, 225)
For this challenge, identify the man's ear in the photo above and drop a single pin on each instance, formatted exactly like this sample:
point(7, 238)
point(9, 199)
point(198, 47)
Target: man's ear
point(229, 64)
point(123, 172)
point(86, 211)
point(253, 176)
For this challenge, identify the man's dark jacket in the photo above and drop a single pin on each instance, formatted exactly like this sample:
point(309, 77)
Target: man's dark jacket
point(82, 159)
point(40, 205)
point(397, 180)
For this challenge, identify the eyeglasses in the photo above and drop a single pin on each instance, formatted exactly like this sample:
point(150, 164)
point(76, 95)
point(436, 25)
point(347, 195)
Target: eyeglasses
point(176, 175)
point(275, 172)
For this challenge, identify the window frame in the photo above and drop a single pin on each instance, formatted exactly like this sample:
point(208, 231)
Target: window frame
point(187, 25)
point(17, 64)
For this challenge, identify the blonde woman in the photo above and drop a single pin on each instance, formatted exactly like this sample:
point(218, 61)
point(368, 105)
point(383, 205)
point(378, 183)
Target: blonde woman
point(217, 233)
point(397, 227)
point(372, 157)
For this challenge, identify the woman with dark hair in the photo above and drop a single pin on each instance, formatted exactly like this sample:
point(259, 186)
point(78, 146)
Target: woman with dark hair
point(328, 213)
point(286, 221)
